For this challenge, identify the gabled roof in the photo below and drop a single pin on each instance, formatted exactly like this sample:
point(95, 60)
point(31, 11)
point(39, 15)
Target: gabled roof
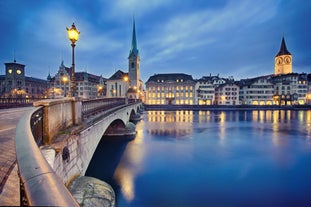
point(283, 49)
point(118, 75)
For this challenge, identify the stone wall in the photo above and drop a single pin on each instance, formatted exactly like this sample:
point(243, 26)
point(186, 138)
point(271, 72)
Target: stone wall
point(59, 115)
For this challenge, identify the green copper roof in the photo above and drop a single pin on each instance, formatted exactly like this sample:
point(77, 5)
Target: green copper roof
point(134, 50)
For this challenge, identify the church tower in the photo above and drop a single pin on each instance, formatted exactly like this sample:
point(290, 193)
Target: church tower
point(134, 62)
point(283, 60)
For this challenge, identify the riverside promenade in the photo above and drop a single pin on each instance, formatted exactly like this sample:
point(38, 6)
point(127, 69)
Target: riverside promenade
point(9, 180)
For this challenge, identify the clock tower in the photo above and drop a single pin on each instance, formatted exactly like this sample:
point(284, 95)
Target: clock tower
point(283, 60)
point(14, 76)
point(134, 63)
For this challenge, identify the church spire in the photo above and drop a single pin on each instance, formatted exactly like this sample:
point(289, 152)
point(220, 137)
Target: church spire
point(134, 50)
point(283, 49)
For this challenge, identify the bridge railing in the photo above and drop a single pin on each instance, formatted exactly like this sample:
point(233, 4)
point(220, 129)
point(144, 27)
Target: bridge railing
point(91, 107)
point(17, 102)
point(40, 186)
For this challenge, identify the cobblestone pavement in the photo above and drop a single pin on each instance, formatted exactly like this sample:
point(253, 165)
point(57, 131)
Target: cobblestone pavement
point(9, 181)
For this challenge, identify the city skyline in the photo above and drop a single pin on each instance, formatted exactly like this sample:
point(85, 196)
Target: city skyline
point(229, 38)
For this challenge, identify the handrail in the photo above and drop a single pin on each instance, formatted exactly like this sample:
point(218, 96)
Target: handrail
point(42, 187)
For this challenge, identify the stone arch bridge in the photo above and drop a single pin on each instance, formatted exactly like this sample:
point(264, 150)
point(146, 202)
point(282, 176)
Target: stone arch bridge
point(55, 143)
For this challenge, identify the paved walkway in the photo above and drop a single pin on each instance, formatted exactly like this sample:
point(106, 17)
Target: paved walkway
point(9, 181)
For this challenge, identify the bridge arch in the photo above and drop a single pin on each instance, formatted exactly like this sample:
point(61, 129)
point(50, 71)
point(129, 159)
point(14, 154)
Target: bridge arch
point(115, 126)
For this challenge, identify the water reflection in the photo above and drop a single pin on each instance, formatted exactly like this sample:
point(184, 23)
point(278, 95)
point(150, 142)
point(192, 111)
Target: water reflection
point(170, 123)
point(130, 164)
point(199, 157)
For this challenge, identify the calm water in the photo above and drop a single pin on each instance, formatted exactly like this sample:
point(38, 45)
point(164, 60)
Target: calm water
point(185, 158)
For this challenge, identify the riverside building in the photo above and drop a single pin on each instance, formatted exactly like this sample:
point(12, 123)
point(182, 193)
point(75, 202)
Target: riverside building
point(170, 89)
point(227, 94)
point(257, 91)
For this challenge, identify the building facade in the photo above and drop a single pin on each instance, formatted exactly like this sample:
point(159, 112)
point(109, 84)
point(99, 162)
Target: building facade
point(15, 84)
point(205, 91)
point(256, 91)
point(88, 86)
point(117, 85)
point(290, 89)
point(227, 94)
point(170, 89)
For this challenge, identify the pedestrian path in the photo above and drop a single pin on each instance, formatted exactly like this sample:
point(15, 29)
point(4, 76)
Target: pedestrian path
point(9, 180)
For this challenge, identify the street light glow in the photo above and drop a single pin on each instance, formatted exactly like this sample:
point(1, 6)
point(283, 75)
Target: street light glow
point(73, 33)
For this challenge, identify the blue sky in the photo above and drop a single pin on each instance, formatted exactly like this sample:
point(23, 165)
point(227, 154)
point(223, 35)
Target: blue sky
point(226, 37)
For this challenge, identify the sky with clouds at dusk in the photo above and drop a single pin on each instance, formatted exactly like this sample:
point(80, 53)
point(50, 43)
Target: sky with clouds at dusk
point(238, 38)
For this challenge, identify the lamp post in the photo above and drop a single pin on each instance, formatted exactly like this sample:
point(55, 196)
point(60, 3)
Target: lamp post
point(73, 35)
point(65, 79)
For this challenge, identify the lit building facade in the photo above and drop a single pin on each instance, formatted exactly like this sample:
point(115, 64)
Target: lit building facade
point(117, 85)
point(205, 91)
point(88, 86)
point(227, 94)
point(15, 84)
point(290, 89)
point(170, 89)
point(256, 91)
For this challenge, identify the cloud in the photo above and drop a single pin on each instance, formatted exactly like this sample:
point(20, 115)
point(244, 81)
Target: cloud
point(137, 7)
point(214, 27)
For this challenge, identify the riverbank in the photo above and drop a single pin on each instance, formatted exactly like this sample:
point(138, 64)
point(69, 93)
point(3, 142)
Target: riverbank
point(223, 108)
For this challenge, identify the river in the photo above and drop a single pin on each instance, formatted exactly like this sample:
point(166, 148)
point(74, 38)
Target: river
point(210, 158)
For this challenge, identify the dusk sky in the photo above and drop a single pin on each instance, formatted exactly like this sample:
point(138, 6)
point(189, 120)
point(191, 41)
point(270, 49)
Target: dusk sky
point(225, 37)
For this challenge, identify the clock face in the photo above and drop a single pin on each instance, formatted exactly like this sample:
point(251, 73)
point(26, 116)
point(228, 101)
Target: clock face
point(279, 60)
point(18, 72)
point(10, 71)
point(288, 60)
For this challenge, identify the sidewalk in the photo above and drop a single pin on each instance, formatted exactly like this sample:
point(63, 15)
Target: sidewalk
point(9, 180)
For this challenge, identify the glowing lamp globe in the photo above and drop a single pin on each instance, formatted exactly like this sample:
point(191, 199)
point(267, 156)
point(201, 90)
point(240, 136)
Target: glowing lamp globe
point(73, 33)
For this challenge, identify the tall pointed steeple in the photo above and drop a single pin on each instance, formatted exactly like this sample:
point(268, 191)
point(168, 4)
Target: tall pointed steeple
point(283, 48)
point(134, 50)
point(134, 63)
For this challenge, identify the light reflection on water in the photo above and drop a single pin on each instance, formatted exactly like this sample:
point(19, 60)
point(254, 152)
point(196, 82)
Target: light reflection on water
point(233, 158)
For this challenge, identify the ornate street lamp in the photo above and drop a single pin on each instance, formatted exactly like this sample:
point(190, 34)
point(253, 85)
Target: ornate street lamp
point(73, 35)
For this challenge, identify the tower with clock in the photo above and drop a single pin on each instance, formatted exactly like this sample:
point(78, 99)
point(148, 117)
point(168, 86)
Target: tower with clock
point(134, 62)
point(15, 76)
point(283, 60)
